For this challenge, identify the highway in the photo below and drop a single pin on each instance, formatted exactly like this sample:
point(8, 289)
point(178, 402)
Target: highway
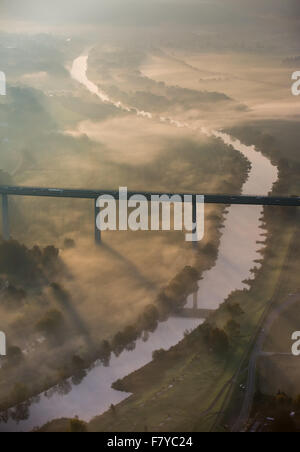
point(94, 194)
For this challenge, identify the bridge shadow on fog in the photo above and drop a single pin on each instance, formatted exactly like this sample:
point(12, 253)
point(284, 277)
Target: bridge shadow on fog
point(193, 313)
point(133, 269)
point(64, 300)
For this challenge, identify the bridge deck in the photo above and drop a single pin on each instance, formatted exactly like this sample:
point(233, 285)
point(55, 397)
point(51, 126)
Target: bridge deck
point(94, 194)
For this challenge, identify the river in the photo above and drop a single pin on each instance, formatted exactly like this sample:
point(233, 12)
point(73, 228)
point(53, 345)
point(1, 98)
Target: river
point(237, 253)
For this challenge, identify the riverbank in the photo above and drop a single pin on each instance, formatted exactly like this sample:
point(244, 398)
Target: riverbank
point(168, 300)
point(181, 390)
point(197, 374)
point(126, 354)
point(241, 222)
point(168, 392)
point(98, 311)
point(236, 237)
point(279, 140)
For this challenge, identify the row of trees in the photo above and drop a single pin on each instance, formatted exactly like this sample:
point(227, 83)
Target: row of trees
point(169, 300)
point(29, 266)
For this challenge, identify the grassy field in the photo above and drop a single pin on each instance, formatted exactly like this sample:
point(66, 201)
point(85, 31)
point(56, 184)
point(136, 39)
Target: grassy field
point(185, 389)
point(77, 140)
point(108, 287)
point(196, 374)
point(177, 409)
point(281, 372)
point(279, 339)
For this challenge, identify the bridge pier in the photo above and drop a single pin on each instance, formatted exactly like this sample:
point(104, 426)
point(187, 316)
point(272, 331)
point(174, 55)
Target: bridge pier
point(97, 232)
point(195, 301)
point(194, 216)
point(5, 218)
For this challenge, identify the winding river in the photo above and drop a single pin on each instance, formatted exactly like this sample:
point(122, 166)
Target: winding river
point(237, 253)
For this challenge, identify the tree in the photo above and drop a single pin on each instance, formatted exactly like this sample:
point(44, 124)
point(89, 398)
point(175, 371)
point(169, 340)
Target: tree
point(218, 340)
point(69, 244)
point(149, 319)
point(78, 366)
point(233, 328)
point(50, 255)
point(113, 409)
point(18, 261)
point(124, 338)
point(235, 309)
point(158, 354)
point(78, 426)
point(14, 356)
point(105, 352)
point(77, 363)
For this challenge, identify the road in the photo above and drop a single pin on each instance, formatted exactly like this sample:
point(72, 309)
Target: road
point(256, 352)
point(94, 194)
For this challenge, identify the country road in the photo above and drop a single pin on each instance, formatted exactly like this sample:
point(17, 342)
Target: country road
point(256, 352)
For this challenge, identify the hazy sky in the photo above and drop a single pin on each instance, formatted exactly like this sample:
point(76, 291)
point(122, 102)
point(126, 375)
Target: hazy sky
point(147, 11)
